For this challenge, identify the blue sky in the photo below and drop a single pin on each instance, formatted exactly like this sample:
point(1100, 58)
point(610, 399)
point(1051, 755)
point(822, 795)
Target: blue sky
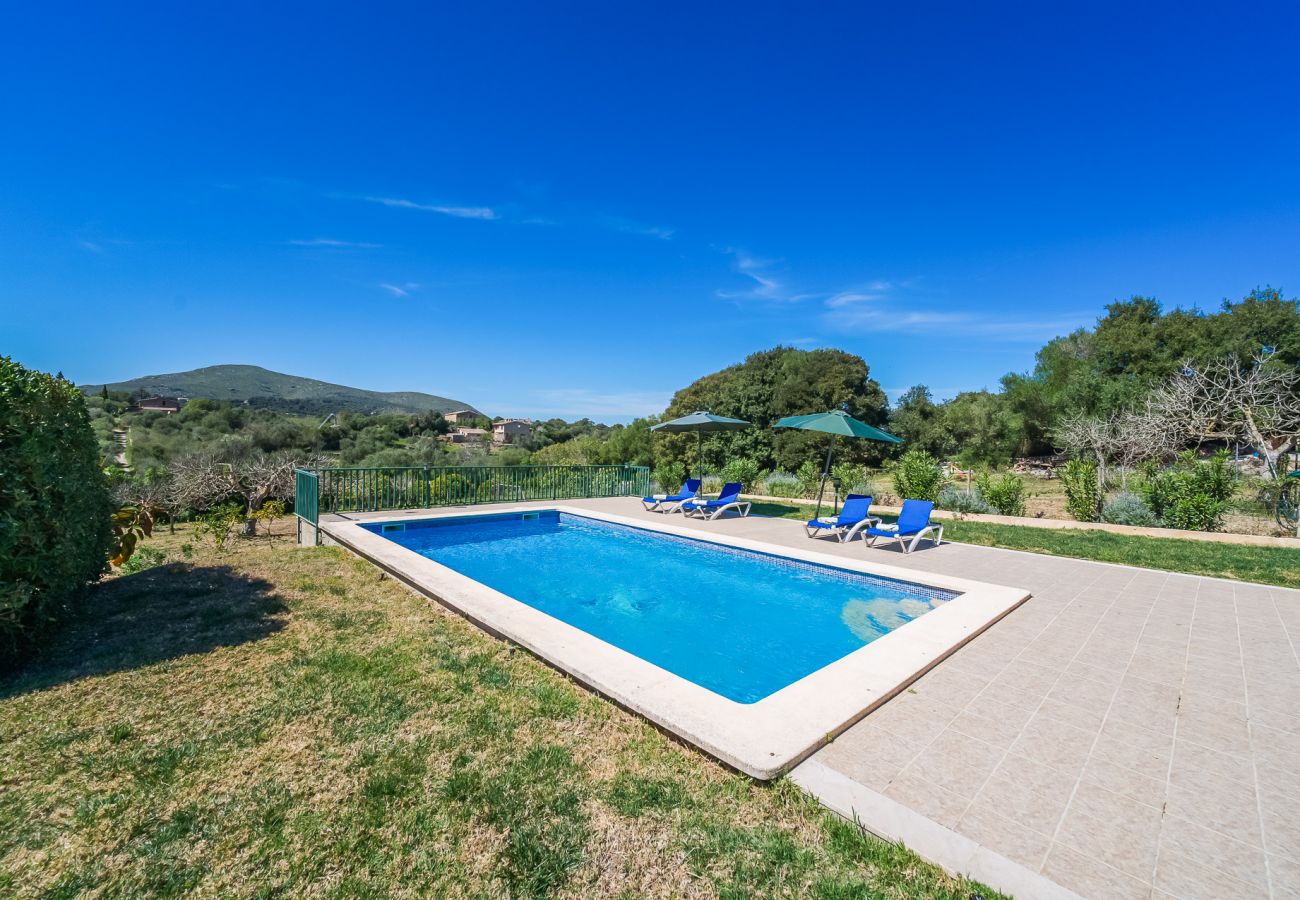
point(575, 209)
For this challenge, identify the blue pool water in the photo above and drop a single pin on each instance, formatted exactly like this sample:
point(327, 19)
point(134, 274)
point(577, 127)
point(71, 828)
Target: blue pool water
point(741, 624)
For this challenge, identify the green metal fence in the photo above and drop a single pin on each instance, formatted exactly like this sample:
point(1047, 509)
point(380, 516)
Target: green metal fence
point(419, 487)
point(306, 495)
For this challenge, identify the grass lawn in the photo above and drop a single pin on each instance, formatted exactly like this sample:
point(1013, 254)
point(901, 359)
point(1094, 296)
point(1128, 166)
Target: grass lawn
point(281, 721)
point(1265, 565)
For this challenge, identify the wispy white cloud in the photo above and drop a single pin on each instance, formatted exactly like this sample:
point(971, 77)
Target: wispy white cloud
point(460, 212)
point(765, 285)
point(630, 227)
point(400, 290)
point(92, 247)
point(331, 242)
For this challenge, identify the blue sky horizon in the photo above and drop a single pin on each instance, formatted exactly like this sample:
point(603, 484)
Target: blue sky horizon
point(578, 210)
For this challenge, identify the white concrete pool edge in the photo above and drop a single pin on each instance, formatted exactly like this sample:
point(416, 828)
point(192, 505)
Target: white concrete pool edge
point(892, 821)
point(763, 739)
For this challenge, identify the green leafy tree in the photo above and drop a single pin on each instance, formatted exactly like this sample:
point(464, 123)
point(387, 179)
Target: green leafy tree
point(765, 387)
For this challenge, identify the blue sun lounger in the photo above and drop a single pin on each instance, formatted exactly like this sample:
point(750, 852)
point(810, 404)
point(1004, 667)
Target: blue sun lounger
point(672, 502)
point(913, 521)
point(711, 509)
point(852, 519)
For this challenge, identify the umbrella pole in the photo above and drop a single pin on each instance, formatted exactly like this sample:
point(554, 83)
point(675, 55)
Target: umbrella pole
point(821, 488)
point(699, 456)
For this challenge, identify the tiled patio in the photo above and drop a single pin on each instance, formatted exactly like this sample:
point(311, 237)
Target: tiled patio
point(1125, 732)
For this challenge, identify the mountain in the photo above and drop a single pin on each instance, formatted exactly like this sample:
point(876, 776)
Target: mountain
point(273, 390)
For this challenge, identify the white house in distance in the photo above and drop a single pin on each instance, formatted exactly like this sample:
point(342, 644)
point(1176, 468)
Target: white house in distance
point(508, 431)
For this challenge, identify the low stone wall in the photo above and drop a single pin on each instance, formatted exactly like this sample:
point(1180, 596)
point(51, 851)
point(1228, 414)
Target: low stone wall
point(1213, 537)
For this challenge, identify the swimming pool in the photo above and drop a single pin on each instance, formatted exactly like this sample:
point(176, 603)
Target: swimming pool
point(756, 651)
point(739, 623)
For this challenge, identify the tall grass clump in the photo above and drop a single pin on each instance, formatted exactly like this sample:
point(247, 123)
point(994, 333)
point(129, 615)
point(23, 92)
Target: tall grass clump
point(54, 502)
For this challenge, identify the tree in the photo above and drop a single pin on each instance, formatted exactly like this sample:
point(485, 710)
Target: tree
point(768, 385)
point(1255, 402)
point(206, 480)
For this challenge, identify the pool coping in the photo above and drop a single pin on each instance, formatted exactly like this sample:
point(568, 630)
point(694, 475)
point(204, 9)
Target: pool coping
point(763, 739)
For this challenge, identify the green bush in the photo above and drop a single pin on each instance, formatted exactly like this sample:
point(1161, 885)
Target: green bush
point(670, 476)
point(218, 523)
point(917, 476)
point(1005, 494)
point(1128, 509)
point(1082, 493)
point(54, 502)
point(852, 478)
point(1191, 494)
point(810, 478)
point(146, 557)
point(742, 470)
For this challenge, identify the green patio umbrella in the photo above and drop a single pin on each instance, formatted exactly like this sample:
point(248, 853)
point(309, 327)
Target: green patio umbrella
point(700, 422)
point(835, 422)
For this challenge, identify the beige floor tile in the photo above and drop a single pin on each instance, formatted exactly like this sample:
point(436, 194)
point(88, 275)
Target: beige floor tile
point(1189, 879)
point(927, 798)
point(957, 763)
point(1092, 878)
point(1189, 755)
point(1281, 820)
point(1284, 876)
point(1029, 793)
point(1215, 850)
point(1125, 781)
point(1055, 743)
point(1202, 796)
point(1116, 732)
point(984, 824)
point(995, 730)
point(1111, 828)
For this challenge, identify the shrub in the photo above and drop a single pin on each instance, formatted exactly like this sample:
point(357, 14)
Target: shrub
point(146, 557)
point(54, 502)
point(1005, 494)
point(742, 470)
point(219, 523)
point(852, 478)
point(1128, 509)
point(917, 476)
point(810, 478)
point(670, 476)
point(782, 484)
point(1191, 494)
point(1082, 493)
point(958, 500)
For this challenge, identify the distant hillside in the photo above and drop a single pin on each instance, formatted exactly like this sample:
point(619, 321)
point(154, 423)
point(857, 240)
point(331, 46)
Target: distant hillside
point(273, 390)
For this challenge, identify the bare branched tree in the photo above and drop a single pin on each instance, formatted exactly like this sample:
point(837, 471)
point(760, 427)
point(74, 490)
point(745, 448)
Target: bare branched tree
point(204, 480)
point(1257, 402)
point(1124, 439)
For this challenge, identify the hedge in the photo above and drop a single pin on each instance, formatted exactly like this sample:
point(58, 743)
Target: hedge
point(54, 502)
